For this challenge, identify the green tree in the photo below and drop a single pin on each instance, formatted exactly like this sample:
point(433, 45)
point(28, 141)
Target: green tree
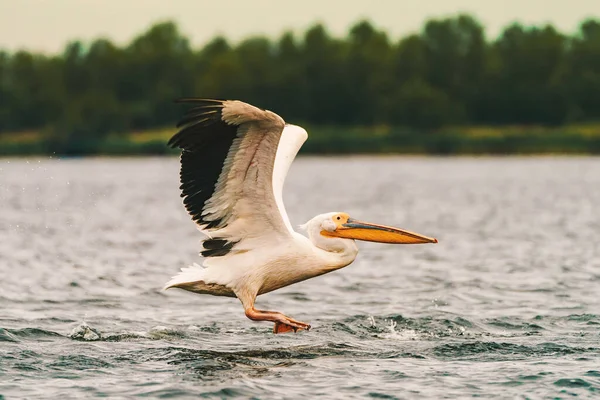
point(528, 83)
point(6, 120)
point(584, 72)
point(455, 54)
point(368, 76)
point(219, 70)
point(326, 90)
point(255, 81)
point(409, 60)
point(421, 106)
point(25, 84)
point(157, 68)
point(289, 92)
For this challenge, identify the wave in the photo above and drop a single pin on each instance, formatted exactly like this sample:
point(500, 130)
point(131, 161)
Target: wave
point(496, 350)
point(13, 335)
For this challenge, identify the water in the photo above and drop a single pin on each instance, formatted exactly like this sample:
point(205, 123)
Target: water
point(506, 305)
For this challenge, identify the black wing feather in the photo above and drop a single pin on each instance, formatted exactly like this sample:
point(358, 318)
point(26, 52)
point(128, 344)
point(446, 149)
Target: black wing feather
point(205, 140)
point(216, 247)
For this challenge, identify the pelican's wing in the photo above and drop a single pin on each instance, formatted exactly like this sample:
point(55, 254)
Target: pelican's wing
point(228, 182)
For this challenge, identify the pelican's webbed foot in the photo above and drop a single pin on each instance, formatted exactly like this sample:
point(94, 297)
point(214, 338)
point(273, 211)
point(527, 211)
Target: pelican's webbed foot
point(282, 323)
point(281, 327)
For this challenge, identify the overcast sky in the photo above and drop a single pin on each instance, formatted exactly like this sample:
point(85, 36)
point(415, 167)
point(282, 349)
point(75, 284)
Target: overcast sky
point(46, 25)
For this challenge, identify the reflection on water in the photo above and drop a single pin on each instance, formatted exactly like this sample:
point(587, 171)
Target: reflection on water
point(506, 304)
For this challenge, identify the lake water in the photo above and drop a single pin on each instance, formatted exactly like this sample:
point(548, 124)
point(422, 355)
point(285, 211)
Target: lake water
point(507, 305)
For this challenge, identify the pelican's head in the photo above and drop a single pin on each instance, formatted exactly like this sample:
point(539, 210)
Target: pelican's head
point(340, 225)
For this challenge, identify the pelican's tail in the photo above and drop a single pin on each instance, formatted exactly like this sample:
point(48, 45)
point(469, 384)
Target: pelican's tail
point(193, 279)
point(188, 275)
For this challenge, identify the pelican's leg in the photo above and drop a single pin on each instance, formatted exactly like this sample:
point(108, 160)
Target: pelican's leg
point(282, 323)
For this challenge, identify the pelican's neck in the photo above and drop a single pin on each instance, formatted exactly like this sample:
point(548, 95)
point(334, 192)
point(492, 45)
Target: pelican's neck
point(338, 252)
point(344, 253)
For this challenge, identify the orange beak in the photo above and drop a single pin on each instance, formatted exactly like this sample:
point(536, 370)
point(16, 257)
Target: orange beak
point(358, 230)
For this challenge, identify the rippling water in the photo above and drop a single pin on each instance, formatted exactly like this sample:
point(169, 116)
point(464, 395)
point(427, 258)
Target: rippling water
point(507, 304)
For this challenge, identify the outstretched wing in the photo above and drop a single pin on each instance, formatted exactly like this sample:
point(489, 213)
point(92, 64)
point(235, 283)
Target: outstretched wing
point(229, 151)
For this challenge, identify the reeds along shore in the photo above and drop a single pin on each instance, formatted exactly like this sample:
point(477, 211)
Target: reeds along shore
point(342, 140)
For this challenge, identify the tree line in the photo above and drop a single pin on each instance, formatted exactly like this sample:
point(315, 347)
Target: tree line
point(448, 74)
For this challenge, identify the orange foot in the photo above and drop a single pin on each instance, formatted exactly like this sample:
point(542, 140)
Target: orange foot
point(281, 327)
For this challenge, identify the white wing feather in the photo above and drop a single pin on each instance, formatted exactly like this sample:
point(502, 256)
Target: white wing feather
point(292, 139)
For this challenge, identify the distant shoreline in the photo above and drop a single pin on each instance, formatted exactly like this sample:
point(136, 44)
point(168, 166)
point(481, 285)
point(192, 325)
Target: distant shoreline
point(327, 140)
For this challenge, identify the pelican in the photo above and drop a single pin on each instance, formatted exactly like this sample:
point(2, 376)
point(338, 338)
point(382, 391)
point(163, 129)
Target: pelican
point(234, 160)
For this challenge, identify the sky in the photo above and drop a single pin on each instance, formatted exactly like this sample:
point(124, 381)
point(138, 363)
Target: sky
point(47, 25)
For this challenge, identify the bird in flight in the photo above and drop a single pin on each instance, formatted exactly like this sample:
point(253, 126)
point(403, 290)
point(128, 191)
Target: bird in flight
point(234, 160)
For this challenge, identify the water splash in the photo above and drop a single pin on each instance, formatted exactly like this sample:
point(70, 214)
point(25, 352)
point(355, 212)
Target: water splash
point(85, 332)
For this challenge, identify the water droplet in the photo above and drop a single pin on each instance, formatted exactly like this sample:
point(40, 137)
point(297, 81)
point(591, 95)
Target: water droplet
point(372, 321)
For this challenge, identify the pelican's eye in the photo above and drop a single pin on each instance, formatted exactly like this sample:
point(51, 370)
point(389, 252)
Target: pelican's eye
point(338, 217)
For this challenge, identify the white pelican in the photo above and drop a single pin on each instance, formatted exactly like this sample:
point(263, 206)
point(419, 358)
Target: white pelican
point(233, 165)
